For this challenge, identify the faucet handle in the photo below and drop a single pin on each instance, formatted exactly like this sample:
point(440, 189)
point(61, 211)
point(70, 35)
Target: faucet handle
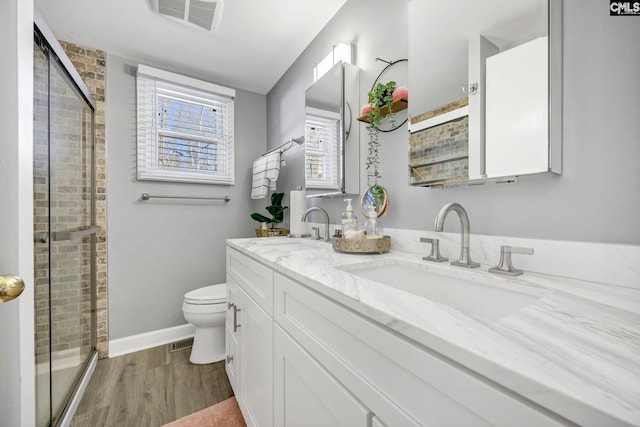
point(505, 266)
point(435, 250)
point(315, 233)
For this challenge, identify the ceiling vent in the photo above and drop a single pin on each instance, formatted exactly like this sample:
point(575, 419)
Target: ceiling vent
point(203, 14)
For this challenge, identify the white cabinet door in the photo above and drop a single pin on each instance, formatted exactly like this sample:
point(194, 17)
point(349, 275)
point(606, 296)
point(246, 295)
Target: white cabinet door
point(255, 342)
point(307, 395)
point(231, 336)
point(517, 110)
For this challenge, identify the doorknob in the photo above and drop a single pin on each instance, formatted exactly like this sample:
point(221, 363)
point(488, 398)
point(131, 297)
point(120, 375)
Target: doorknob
point(10, 287)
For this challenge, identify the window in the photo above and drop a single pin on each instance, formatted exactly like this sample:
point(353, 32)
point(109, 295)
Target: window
point(321, 150)
point(185, 129)
point(341, 52)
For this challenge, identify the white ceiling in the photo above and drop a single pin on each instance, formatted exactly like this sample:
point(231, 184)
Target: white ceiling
point(255, 44)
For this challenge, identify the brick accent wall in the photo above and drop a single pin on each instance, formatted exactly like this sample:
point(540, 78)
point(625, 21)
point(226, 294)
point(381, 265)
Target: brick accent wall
point(440, 153)
point(91, 65)
point(62, 192)
point(41, 206)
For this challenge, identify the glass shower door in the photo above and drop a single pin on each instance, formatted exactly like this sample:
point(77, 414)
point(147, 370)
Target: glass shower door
point(64, 235)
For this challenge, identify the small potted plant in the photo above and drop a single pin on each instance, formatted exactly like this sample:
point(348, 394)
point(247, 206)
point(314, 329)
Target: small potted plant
point(380, 100)
point(277, 216)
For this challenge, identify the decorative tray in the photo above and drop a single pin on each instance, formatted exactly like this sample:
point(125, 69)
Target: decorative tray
point(362, 246)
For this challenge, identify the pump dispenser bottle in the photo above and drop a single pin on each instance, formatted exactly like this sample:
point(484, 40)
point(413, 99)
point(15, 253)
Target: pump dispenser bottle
point(349, 222)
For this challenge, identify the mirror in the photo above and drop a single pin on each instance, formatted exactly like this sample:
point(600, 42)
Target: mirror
point(332, 138)
point(485, 90)
point(375, 196)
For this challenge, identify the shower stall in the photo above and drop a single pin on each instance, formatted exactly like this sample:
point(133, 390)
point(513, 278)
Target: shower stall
point(64, 232)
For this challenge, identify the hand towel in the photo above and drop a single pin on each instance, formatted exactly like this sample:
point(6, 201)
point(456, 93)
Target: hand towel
point(260, 182)
point(265, 174)
point(273, 165)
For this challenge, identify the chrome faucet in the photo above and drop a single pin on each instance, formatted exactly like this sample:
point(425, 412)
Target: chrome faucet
point(326, 220)
point(505, 266)
point(465, 230)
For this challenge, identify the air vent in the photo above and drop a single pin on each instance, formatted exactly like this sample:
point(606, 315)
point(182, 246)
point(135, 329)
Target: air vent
point(203, 14)
point(180, 345)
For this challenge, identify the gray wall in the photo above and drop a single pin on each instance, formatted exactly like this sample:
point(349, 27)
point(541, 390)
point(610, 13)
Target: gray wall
point(598, 196)
point(160, 249)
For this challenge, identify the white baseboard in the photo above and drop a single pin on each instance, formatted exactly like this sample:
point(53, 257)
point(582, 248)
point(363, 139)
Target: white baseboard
point(131, 344)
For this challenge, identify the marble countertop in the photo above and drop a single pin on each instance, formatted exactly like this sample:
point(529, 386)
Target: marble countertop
point(574, 350)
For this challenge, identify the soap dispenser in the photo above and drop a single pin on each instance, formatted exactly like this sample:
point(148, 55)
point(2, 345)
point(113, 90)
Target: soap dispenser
point(349, 222)
point(373, 226)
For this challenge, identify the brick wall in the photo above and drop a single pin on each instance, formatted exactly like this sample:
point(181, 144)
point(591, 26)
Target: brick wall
point(440, 153)
point(41, 206)
point(62, 201)
point(91, 65)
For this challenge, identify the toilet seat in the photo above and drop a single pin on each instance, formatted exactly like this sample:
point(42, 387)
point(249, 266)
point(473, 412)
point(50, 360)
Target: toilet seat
point(214, 294)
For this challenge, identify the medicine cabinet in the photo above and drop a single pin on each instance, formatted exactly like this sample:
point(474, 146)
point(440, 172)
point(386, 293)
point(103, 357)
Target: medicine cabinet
point(485, 80)
point(332, 136)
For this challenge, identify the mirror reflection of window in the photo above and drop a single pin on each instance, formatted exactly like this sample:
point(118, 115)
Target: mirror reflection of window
point(321, 150)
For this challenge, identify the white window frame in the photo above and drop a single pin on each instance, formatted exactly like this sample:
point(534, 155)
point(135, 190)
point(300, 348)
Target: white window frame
point(152, 83)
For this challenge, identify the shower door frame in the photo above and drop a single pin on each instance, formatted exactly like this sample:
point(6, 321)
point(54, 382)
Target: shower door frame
point(56, 53)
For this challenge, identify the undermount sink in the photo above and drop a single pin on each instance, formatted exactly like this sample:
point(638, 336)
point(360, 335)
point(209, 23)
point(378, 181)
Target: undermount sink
point(470, 297)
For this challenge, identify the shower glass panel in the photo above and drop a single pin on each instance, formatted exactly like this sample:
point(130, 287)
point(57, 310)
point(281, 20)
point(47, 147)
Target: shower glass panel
point(63, 242)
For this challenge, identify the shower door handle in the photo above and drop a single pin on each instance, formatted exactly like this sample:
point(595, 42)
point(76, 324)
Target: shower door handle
point(58, 236)
point(10, 287)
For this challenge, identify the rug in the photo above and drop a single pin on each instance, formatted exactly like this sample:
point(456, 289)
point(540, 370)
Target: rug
point(223, 414)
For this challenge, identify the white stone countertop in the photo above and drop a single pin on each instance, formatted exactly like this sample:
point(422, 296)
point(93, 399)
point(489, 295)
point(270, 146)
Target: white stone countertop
point(575, 350)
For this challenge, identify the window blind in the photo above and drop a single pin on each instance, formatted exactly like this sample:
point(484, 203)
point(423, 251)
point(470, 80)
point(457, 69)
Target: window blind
point(185, 129)
point(321, 152)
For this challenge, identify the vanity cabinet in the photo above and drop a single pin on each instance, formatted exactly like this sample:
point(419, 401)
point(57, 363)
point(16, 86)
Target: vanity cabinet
point(333, 366)
point(249, 337)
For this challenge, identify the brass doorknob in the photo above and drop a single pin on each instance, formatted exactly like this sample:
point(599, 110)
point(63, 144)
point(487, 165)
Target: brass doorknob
point(10, 287)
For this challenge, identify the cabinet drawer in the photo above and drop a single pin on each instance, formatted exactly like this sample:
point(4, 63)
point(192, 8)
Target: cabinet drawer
point(392, 376)
point(255, 278)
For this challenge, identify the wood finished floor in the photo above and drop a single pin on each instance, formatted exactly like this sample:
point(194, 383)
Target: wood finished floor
point(150, 388)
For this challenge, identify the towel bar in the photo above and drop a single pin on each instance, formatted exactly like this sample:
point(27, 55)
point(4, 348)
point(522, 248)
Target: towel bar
point(298, 140)
point(147, 196)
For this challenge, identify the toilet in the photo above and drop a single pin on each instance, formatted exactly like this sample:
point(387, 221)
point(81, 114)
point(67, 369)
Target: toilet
point(205, 309)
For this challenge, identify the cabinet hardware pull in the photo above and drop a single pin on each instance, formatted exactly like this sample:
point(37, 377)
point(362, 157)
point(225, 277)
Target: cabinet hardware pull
point(235, 318)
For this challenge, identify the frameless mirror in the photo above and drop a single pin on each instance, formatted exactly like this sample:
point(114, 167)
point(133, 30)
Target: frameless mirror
point(332, 139)
point(485, 90)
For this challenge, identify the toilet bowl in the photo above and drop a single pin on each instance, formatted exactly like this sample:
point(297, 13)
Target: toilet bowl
point(205, 309)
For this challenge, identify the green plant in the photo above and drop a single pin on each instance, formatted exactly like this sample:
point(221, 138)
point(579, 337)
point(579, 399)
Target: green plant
point(380, 99)
point(380, 96)
point(275, 209)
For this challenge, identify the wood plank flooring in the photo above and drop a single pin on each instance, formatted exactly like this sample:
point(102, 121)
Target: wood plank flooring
point(150, 388)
